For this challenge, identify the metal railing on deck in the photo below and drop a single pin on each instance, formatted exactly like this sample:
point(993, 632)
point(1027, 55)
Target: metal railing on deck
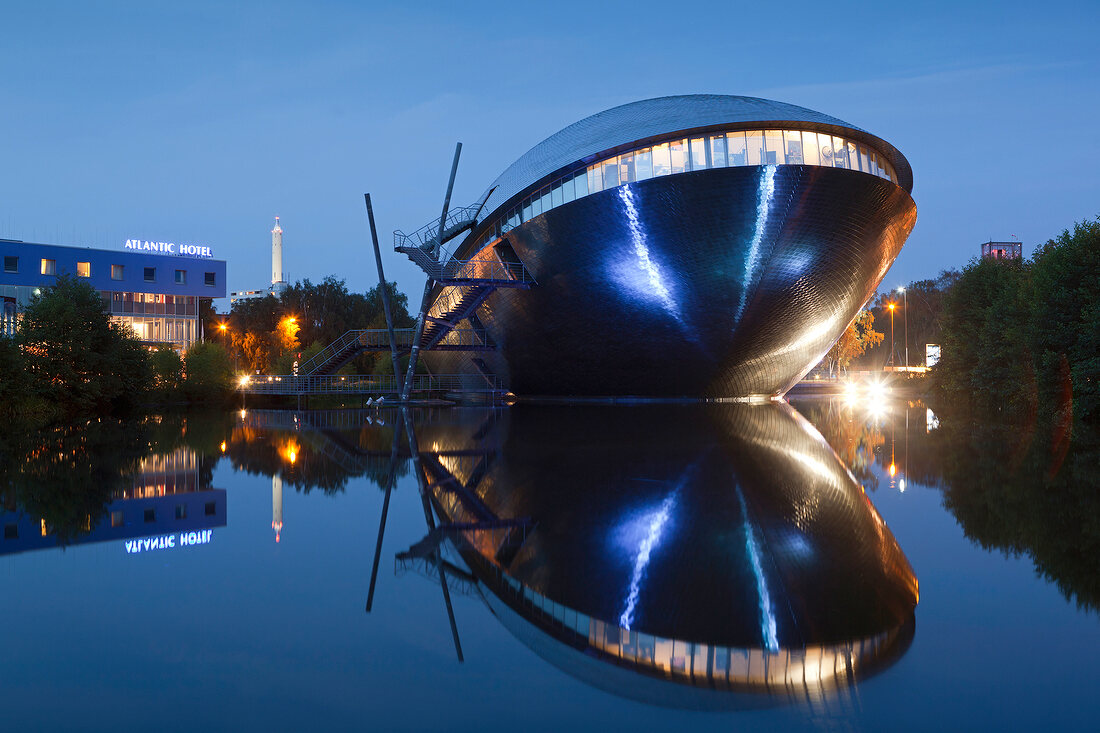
point(367, 384)
point(427, 234)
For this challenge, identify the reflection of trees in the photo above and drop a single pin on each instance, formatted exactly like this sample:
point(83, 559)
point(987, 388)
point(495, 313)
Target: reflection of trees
point(1022, 489)
point(310, 459)
point(853, 436)
point(68, 474)
point(1028, 498)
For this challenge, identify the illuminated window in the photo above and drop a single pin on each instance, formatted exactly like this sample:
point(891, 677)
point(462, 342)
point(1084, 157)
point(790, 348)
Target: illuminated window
point(83, 269)
point(209, 279)
point(116, 272)
point(150, 274)
point(116, 519)
point(181, 277)
point(49, 267)
point(11, 264)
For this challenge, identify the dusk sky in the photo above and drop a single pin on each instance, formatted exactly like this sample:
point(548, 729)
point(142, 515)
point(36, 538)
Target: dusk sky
point(199, 122)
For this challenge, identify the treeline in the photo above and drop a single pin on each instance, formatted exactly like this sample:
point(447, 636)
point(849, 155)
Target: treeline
point(69, 359)
point(1021, 339)
point(267, 334)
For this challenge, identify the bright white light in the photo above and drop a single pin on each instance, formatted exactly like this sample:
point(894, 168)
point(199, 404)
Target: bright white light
point(641, 561)
point(768, 628)
point(901, 485)
point(765, 191)
point(654, 279)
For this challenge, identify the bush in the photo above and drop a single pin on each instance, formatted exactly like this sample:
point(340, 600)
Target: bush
point(209, 373)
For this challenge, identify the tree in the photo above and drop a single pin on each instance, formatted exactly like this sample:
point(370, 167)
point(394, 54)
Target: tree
point(856, 339)
point(209, 373)
point(78, 358)
point(167, 368)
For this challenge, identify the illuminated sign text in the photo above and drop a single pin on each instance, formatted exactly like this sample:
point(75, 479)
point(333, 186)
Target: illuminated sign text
point(169, 541)
point(185, 250)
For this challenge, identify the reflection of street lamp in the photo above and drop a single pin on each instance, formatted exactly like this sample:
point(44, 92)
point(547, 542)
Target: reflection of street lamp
point(892, 306)
point(905, 314)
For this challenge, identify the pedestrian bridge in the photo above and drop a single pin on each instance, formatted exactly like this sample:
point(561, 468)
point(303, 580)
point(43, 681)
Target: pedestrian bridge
point(382, 385)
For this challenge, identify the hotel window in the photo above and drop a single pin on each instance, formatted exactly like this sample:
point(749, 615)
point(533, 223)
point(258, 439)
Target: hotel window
point(116, 519)
point(11, 264)
point(11, 531)
point(181, 511)
point(209, 509)
point(150, 515)
point(116, 272)
point(181, 277)
point(83, 269)
point(209, 279)
point(49, 267)
point(150, 274)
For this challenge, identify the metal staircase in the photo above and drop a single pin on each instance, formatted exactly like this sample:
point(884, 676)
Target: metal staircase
point(357, 341)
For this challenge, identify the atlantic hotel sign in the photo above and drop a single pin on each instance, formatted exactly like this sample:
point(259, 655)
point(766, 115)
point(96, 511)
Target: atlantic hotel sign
point(171, 248)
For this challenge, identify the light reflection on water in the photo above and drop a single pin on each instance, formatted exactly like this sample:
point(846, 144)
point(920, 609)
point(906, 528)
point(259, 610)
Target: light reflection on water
point(525, 503)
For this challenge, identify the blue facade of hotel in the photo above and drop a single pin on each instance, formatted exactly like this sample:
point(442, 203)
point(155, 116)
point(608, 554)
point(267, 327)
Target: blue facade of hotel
point(155, 294)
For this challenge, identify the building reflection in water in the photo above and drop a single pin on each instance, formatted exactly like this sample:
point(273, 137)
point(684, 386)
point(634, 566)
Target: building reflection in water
point(698, 556)
point(165, 503)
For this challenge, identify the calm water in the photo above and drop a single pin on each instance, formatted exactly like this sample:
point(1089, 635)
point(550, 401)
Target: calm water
point(821, 566)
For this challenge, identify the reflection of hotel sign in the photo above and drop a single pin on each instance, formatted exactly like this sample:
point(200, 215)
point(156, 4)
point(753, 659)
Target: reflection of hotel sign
point(169, 541)
point(184, 250)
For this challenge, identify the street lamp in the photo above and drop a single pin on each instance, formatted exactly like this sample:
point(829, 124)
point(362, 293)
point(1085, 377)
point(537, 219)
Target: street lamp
point(905, 315)
point(891, 306)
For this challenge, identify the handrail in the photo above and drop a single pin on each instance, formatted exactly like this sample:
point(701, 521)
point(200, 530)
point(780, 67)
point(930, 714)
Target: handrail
point(427, 234)
point(380, 384)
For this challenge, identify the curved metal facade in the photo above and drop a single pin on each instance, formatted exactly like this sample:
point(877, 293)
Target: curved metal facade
point(723, 549)
point(729, 282)
point(628, 125)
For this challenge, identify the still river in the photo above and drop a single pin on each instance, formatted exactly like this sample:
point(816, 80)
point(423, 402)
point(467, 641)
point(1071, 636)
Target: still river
point(830, 564)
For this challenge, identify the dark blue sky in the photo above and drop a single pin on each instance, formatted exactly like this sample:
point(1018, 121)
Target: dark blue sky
point(201, 121)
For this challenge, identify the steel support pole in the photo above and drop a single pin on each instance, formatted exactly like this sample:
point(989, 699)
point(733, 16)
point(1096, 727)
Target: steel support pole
point(425, 301)
point(394, 453)
point(422, 480)
point(384, 287)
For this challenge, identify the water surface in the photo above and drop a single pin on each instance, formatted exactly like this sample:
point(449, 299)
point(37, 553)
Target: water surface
point(599, 568)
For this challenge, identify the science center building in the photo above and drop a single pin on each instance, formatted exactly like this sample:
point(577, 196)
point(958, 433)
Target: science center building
point(683, 246)
point(152, 287)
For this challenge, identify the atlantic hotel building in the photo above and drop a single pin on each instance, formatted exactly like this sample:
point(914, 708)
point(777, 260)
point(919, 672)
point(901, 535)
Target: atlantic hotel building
point(153, 287)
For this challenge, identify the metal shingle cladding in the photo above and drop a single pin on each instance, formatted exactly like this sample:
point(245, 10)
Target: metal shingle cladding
point(664, 116)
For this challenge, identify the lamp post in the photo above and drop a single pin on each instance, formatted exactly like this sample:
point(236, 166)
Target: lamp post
point(892, 306)
point(905, 316)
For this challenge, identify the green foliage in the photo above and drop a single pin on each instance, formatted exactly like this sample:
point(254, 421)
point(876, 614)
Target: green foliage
point(324, 312)
point(1022, 339)
point(209, 373)
point(1012, 492)
point(77, 358)
point(167, 369)
point(922, 325)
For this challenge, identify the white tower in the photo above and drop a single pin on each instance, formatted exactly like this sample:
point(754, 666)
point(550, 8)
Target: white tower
point(277, 282)
point(277, 505)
